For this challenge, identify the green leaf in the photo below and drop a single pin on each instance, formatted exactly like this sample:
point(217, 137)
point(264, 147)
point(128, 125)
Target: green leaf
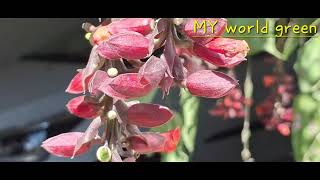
point(308, 64)
point(305, 104)
point(306, 126)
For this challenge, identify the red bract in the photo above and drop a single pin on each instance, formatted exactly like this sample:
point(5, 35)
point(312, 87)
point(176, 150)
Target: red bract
point(63, 145)
point(98, 79)
point(222, 52)
point(84, 107)
point(210, 84)
point(148, 115)
point(143, 26)
point(154, 142)
point(199, 35)
point(153, 70)
point(126, 86)
point(127, 45)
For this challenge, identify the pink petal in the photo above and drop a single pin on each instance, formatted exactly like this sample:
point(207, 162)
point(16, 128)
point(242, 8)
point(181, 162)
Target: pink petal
point(169, 53)
point(148, 115)
point(76, 86)
point(210, 84)
point(153, 70)
point(129, 159)
point(172, 140)
point(63, 145)
point(126, 86)
point(143, 26)
point(148, 143)
point(219, 29)
point(94, 63)
point(166, 84)
point(84, 107)
point(89, 136)
point(178, 71)
point(108, 52)
point(98, 78)
point(128, 45)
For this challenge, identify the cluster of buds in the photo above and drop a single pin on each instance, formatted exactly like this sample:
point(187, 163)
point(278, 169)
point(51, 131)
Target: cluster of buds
point(231, 106)
point(276, 110)
point(123, 66)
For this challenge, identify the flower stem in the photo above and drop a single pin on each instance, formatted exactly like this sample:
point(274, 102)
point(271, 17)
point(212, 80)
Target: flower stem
point(246, 133)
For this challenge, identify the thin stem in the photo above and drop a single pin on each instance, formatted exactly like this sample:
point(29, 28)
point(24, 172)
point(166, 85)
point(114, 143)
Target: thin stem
point(246, 133)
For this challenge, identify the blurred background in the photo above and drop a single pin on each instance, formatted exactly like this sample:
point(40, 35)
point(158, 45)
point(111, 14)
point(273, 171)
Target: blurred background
point(38, 59)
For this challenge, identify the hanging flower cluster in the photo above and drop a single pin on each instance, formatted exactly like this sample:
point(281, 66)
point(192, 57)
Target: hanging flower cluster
point(231, 106)
point(276, 110)
point(125, 64)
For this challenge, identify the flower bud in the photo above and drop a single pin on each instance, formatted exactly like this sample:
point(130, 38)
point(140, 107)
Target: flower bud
point(112, 72)
point(222, 52)
point(111, 115)
point(127, 45)
point(193, 31)
point(210, 84)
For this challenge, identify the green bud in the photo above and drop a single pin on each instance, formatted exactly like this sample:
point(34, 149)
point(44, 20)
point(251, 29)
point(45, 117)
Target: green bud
point(104, 154)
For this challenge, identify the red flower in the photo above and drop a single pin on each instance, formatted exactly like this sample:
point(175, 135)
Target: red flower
point(268, 80)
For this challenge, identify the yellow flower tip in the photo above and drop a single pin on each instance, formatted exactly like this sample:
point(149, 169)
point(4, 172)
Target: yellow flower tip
point(88, 35)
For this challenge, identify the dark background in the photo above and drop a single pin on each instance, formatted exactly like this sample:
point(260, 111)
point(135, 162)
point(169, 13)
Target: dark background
point(38, 59)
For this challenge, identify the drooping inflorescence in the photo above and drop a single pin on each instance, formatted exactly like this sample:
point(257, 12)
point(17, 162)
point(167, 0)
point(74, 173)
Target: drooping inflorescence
point(125, 64)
